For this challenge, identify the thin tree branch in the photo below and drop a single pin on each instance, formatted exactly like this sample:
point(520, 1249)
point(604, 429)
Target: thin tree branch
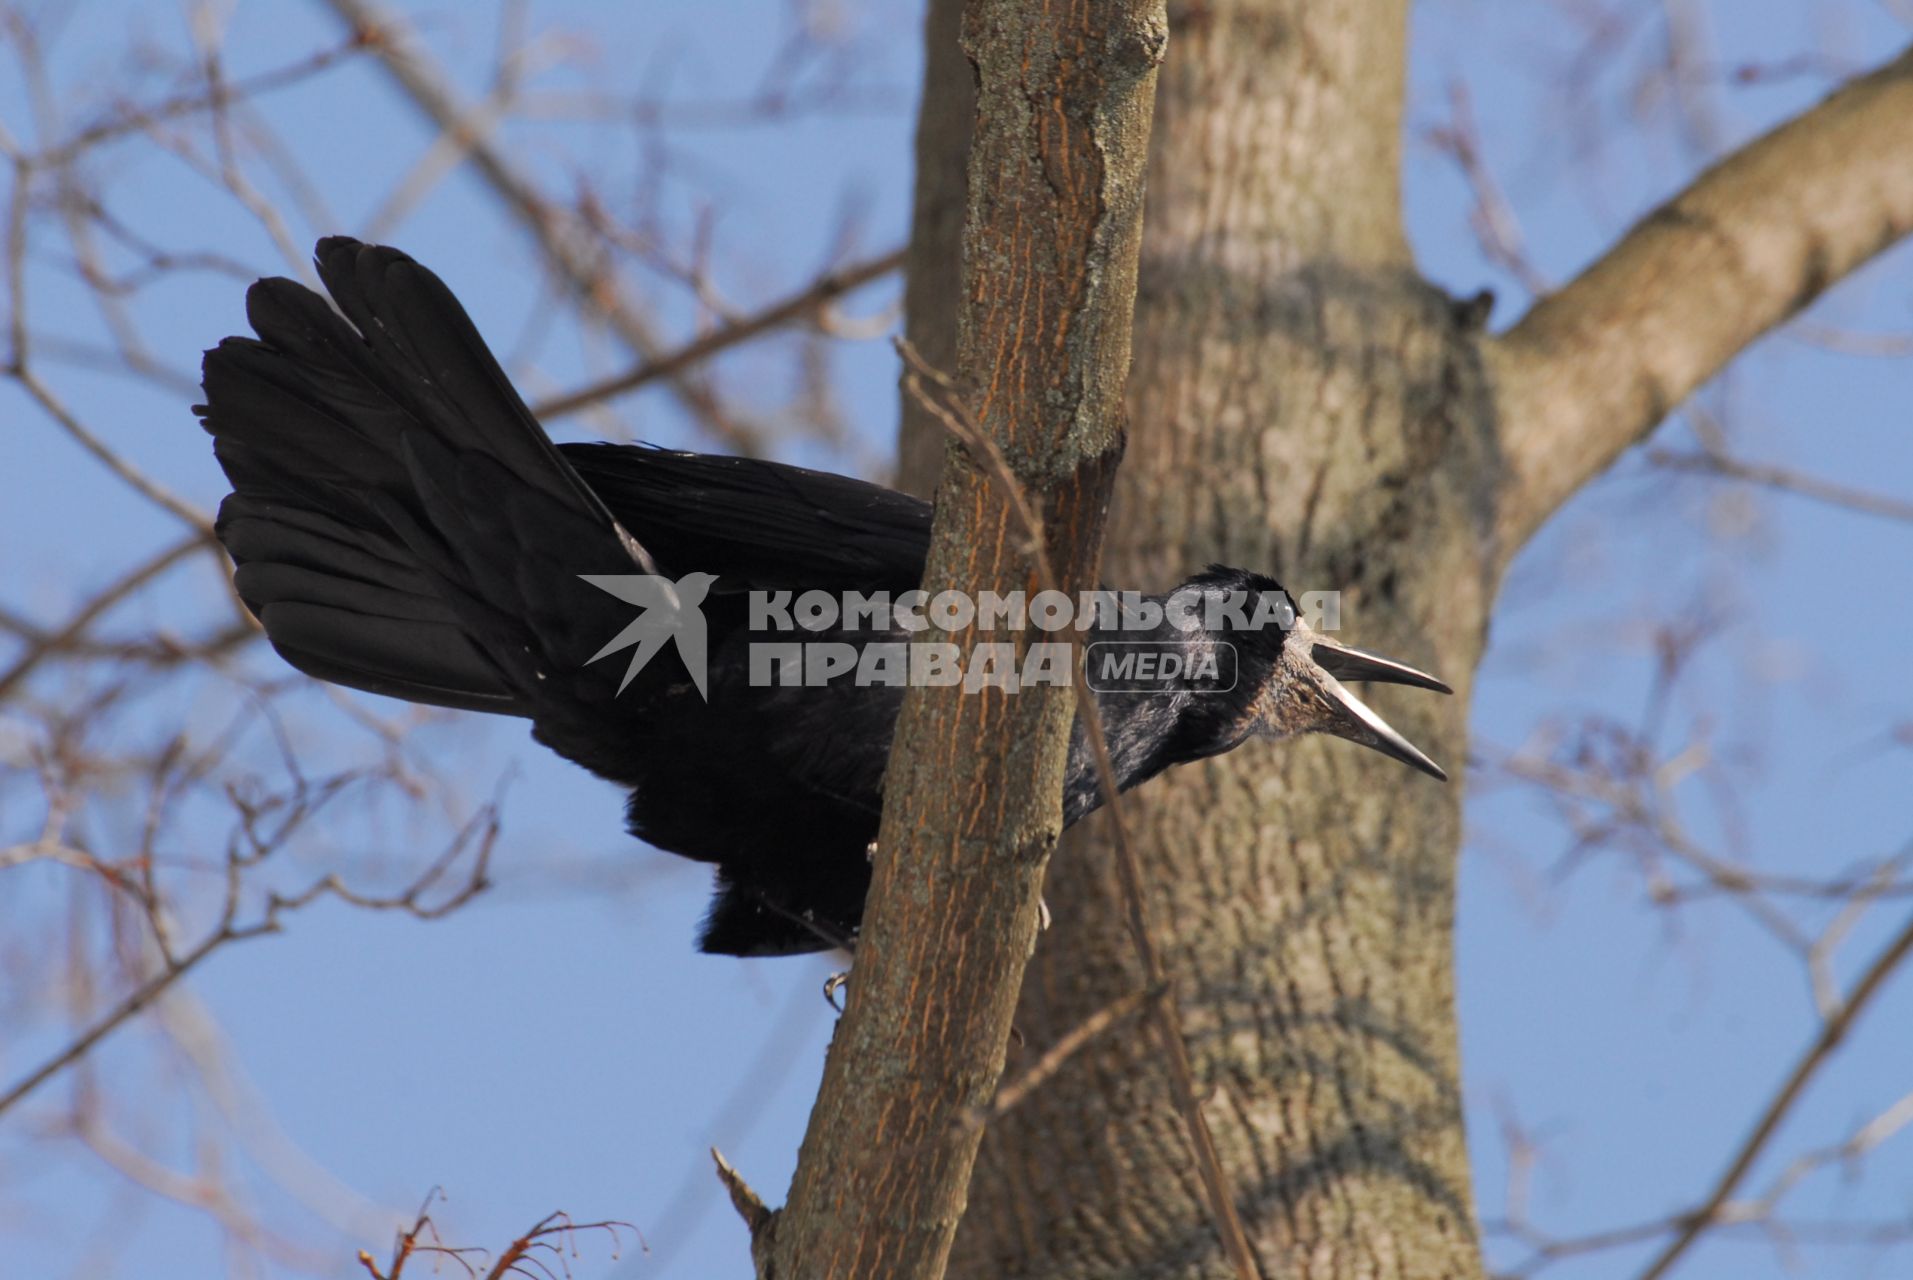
point(1063, 118)
point(1849, 342)
point(804, 304)
point(1593, 367)
point(758, 1219)
point(1053, 1059)
point(147, 487)
point(1832, 1031)
point(541, 1251)
point(1786, 480)
point(1493, 220)
point(584, 269)
point(42, 646)
point(229, 929)
point(123, 119)
point(130, 1005)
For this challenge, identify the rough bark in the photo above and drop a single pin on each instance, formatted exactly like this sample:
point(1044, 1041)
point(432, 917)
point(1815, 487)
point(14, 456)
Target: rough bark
point(1313, 409)
point(972, 808)
point(1308, 405)
point(933, 269)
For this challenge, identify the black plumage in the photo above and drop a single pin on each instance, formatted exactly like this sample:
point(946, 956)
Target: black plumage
point(402, 524)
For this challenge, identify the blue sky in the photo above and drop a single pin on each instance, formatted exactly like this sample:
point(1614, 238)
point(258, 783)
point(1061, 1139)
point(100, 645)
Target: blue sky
point(559, 1044)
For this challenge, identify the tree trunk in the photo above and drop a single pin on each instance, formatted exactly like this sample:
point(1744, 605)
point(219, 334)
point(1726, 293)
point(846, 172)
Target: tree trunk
point(1306, 406)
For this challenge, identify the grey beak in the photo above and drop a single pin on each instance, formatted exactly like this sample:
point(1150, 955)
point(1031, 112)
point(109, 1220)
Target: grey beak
point(1346, 662)
point(1352, 718)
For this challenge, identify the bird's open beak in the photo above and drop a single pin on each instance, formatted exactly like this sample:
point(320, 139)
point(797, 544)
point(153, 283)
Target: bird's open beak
point(1349, 717)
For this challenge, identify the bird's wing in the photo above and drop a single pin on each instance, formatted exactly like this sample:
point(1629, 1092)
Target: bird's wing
point(765, 524)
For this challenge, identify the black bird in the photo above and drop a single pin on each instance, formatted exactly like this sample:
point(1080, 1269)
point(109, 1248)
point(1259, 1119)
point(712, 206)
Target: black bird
point(403, 525)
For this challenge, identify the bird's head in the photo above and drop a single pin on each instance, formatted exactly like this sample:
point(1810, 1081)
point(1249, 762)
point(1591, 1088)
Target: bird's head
point(1291, 678)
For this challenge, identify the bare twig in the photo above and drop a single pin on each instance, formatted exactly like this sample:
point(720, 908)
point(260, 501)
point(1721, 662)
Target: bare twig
point(807, 303)
point(228, 929)
point(147, 487)
point(1492, 219)
point(542, 1251)
point(1785, 479)
point(1067, 1046)
point(1832, 1031)
point(1848, 342)
point(588, 273)
point(758, 1219)
point(63, 636)
point(138, 119)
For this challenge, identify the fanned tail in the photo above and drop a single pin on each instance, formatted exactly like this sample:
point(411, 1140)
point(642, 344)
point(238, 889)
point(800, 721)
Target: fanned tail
point(388, 487)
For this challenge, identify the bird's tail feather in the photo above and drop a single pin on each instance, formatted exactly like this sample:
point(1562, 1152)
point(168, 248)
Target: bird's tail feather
point(346, 603)
point(363, 455)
